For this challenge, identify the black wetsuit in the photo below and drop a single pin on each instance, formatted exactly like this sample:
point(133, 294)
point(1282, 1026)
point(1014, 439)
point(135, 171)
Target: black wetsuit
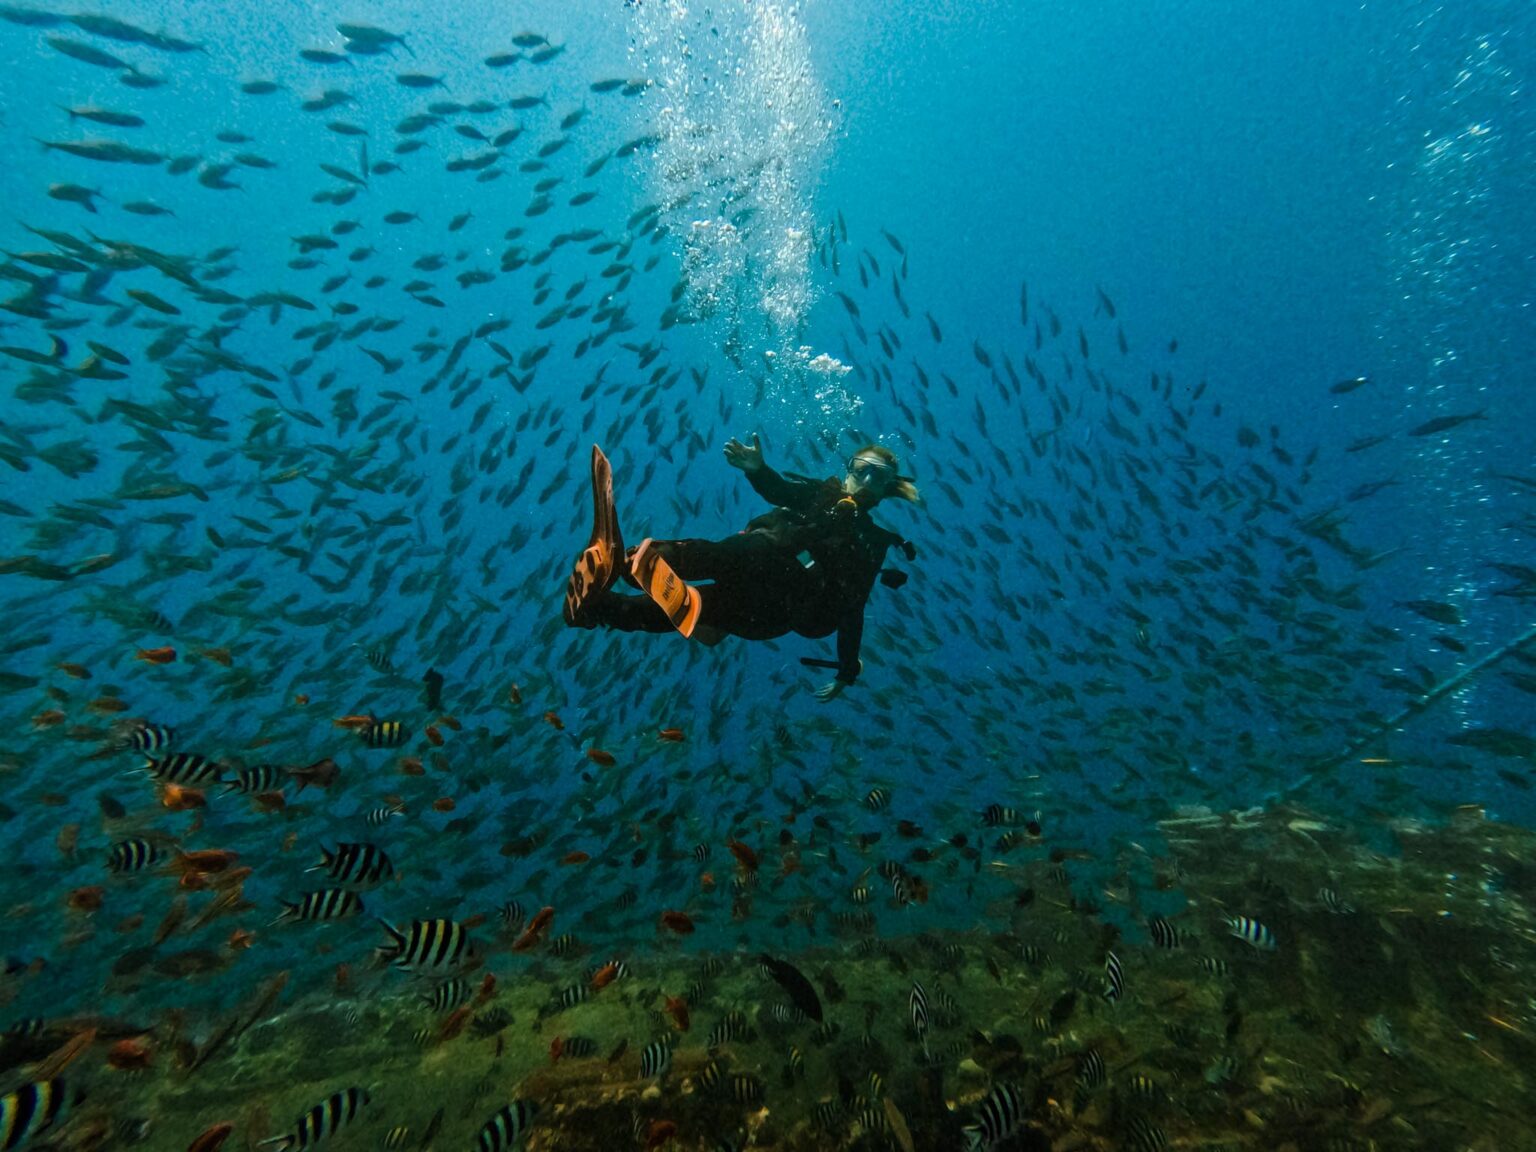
point(762, 588)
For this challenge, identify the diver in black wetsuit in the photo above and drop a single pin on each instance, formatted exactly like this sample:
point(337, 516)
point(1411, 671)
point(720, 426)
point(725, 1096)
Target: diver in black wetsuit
point(806, 567)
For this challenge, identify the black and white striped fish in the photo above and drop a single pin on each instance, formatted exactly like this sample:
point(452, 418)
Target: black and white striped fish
point(151, 738)
point(998, 1117)
point(1144, 1136)
point(449, 994)
point(1252, 933)
point(426, 946)
point(1333, 902)
point(1091, 1070)
point(512, 915)
point(185, 768)
point(1164, 933)
point(323, 1120)
point(655, 1059)
point(877, 800)
point(379, 660)
point(997, 816)
point(733, 1026)
point(503, 1130)
point(917, 1008)
point(745, 1088)
point(322, 904)
point(396, 1137)
point(30, 1111)
point(385, 734)
point(1114, 978)
point(380, 816)
point(572, 996)
point(133, 855)
point(355, 863)
point(260, 778)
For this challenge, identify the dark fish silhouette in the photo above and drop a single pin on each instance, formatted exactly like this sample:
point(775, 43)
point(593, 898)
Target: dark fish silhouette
point(790, 978)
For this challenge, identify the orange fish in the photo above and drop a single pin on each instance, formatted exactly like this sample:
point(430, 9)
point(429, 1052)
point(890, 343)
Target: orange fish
point(536, 930)
point(454, 1024)
point(605, 975)
point(556, 1049)
point(679, 922)
point(670, 735)
point(131, 1054)
point(206, 860)
point(300, 699)
point(48, 719)
point(574, 858)
point(444, 804)
point(744, 855)
point(354, 723)
point(218, 656)
point(433, 735)
point(707, 881)
point(472, 921)
point(554, 721)
point(87, 899)
point(105, 704)
point(487, 989)
point(240, 939)
point(212, 1140)
point(156, 655)
point(659, 1133)
point(601, 758)
point(270, 801)
point(451, 723)
point(677, 1008)
point(179, 799)
point(411, 766)
point(78, 671)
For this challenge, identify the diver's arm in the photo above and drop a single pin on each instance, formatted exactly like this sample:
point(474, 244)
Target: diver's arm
point(850, 637)
point(795, 494)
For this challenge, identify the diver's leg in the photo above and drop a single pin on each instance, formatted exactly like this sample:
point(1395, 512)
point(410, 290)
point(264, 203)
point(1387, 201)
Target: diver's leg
point(624, 614)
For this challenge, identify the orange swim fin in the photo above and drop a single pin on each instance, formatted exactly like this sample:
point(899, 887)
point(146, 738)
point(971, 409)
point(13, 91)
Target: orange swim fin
point(680, 601)
point(600, 563)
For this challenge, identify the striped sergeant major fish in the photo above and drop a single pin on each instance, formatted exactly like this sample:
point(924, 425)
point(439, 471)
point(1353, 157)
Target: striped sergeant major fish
point(507, 1127)
point(30, 1111)
point(1252, 933)
point(655, 1059)
point(185, 768)
point(323, 1120)
point(355, 863)
point(1114, 978)
point(385, 734)
point(917, 1008)
point(150, 738)
point(998, 1116)
point(257, 779)
point(1164, 933)
point(133, 855)
point(426, 945)
point(322, 904)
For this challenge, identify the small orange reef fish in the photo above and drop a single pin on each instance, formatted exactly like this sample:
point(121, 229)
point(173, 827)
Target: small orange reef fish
point(744, 855)
point(670, 735)
point(537, 929)
point(601, 758)
point(156, 655)
point(444, 804)
point(434, 735)
point(577, 857)
point(679, 922)
point(355, 723)
point(179, 799)
point(213, 1139)
point(554, 721)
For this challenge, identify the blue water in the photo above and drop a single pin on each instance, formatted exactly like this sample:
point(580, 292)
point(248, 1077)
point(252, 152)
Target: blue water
point(1269, 207)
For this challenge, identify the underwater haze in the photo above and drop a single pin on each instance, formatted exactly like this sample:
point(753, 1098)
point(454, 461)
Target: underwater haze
point(1178, 795)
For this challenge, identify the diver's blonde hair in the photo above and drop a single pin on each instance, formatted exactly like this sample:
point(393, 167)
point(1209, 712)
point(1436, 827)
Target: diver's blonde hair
point(904, 488)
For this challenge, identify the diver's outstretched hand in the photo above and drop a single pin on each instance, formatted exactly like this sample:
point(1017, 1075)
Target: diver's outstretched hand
point(749, 458)
point(831, 690)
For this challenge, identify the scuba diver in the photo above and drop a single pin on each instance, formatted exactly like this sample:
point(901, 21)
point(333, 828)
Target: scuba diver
point(807, 566)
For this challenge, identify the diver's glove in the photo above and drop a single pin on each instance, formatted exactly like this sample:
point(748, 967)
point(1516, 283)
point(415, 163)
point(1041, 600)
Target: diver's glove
point(832, 689)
